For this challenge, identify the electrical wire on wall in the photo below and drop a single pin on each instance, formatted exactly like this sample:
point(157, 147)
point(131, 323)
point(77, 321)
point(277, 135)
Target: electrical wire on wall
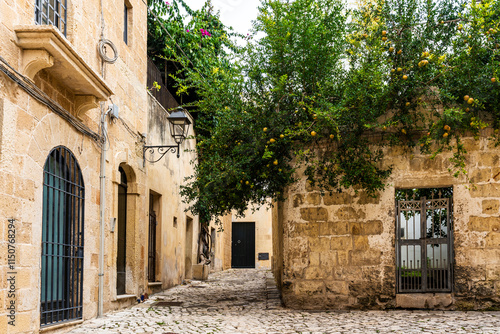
point(102, 45)
point(43, 98)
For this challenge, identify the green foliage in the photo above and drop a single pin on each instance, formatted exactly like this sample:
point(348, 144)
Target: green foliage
point(326, 88)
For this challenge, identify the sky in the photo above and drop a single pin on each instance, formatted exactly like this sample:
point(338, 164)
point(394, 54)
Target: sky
point(235, 13)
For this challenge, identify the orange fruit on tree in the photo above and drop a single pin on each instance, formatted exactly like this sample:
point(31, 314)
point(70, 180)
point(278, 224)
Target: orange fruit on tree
point(407, 104)
point(332, 136)
point(282, 136)
point(493, 79)
point(265, 129)
point(384, 32)
point(272, 140)
point(275, 162)
point(384, 39)
point(466, 98)
point(313, 133)
point(391, 49)
point(399, 69)
point(405, 77)
point(400, 52)
point(445, 134)
point(467, 109)
point(470, 101)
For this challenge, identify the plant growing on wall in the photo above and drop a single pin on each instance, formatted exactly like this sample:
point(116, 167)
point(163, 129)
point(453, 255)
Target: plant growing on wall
point(327, 87)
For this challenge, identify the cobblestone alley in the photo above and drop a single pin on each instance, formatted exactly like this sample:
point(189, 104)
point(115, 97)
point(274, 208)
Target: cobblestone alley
point(246, 301)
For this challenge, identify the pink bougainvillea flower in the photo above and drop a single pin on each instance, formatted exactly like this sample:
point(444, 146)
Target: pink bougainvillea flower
point(167, 3)
point(187, 30)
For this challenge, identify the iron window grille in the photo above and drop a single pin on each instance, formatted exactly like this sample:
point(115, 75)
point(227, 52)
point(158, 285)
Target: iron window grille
point(62, 238)
point(152, 247)
point(53, 12)
point(424, 239)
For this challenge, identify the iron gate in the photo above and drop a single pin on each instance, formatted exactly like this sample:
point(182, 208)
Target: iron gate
point(424, 245)
point(152, 247)
point(62, 238)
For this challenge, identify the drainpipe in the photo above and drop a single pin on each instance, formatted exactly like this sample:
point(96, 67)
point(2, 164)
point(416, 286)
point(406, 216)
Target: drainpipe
point(102, 205)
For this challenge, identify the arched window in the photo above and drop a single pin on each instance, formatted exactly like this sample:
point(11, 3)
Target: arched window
point(62, 238)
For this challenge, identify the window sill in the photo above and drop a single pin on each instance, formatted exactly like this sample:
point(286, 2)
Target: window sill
point(123, 297)
point(49, 328)
point(154, 284)
point(45, 47)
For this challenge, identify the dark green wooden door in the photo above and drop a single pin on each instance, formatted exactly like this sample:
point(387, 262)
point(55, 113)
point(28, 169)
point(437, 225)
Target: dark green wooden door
point(243, 245)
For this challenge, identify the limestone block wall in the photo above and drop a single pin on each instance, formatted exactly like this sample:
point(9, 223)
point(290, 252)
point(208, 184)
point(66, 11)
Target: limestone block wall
point(29, 130)
point(339, 249)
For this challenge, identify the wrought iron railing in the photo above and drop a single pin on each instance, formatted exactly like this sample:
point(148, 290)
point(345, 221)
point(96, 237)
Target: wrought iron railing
point(161, 94)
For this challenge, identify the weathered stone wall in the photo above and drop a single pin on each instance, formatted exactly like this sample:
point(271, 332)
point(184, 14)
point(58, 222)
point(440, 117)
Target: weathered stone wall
point(277, 238)
point(339, 249)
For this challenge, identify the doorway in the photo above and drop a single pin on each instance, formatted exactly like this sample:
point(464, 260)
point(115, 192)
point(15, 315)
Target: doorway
point(189, 248)
point(243, 245)
point(121, 254)
point(154, 236)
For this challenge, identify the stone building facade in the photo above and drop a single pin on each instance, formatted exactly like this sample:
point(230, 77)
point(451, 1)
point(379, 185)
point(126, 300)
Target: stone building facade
point(58, 77)
point(350, 251)
point(261, 220)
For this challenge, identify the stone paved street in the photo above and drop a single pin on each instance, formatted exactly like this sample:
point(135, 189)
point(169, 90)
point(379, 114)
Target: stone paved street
point(245, 301)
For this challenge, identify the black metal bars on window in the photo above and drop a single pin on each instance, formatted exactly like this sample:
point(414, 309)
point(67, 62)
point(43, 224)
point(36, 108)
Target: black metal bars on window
point(152, 247)
point(424, 245)
point(51, 12)
point(62, 238)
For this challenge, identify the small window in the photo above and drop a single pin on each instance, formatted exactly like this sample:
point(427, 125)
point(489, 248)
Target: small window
point(424, 253)
point(127, 11)
point(51, 12)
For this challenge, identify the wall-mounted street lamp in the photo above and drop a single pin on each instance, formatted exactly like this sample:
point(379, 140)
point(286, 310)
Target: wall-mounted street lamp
point(179, 126)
